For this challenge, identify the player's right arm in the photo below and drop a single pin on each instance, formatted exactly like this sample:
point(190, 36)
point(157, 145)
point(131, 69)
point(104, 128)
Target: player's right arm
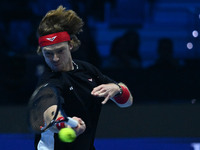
point(48, 116)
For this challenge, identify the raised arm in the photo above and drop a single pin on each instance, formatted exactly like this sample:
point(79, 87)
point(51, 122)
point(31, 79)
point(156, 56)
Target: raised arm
point(119, 93)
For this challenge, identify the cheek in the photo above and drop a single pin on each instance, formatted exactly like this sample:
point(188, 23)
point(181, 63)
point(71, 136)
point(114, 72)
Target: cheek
point(47, 60)
point(62, 58)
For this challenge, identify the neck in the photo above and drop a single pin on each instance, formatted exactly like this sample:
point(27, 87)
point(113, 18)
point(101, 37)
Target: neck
point(69, 66)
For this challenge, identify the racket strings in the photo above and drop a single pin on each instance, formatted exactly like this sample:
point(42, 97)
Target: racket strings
point(40, 101)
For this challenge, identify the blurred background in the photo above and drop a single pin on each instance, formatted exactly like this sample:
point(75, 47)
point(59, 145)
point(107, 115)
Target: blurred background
point(153, 46)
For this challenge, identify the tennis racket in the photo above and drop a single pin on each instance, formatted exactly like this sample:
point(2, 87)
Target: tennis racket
point(44, 109)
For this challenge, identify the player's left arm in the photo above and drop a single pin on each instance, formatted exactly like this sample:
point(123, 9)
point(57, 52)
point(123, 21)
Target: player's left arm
point(118, 93)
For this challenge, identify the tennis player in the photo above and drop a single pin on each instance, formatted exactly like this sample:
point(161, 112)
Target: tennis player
point(83, 87)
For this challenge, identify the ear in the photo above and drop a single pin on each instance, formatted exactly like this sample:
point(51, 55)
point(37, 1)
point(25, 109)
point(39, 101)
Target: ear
point(70, 46)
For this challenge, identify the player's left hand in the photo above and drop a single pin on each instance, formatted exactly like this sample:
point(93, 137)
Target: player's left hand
point(106, 90)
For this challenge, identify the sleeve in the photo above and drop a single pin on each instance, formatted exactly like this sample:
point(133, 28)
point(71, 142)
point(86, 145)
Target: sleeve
point(122, 100)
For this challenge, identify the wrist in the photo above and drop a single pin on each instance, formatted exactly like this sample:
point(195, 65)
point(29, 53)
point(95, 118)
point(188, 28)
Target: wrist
point(124, 97)
point(61, 124)
point(120, 90)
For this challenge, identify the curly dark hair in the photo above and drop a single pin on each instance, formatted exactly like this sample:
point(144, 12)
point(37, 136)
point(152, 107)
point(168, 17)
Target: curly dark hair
point(59, 20)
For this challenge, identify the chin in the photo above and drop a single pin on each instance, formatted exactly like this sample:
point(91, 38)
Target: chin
point(56, 69)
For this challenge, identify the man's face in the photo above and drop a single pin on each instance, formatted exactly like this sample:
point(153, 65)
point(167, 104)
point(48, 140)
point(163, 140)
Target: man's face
point(57, 56)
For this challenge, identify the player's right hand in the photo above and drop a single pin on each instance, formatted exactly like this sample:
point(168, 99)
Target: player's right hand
point(81, 126)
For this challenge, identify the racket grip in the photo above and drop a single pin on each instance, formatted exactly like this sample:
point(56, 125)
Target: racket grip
point(72, 122)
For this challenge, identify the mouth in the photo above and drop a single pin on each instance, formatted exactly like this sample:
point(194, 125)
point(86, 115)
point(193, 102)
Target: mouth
point(56, 64)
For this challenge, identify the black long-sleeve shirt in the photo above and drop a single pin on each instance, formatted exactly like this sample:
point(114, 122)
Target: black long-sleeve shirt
point(75, 87)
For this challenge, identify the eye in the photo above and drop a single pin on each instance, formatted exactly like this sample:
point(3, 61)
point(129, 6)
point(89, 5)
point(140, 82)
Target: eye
point(48, 54)
point(60, 51)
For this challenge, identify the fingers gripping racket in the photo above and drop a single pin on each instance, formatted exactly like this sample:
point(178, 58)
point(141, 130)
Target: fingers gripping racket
point(44, 108)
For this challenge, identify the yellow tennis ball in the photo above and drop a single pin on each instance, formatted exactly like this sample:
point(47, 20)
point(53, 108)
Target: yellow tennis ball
point(67, 135)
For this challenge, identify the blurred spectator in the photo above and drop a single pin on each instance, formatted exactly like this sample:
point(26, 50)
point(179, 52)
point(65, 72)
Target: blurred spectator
point(125, 52)
point(165, 52)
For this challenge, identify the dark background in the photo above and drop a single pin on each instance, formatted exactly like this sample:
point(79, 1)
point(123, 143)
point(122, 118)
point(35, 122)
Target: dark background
point(141, 43)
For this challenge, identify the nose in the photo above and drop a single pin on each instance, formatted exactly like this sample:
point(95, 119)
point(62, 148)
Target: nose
point(55, 57)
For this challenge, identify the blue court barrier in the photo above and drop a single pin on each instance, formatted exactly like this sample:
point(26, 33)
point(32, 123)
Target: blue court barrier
point(26, 142)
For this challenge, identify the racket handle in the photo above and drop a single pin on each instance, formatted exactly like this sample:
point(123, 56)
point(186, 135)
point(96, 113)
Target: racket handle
point(71, 122)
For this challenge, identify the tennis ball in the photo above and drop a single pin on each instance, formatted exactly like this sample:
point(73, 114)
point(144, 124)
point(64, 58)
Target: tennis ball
point(67, 135)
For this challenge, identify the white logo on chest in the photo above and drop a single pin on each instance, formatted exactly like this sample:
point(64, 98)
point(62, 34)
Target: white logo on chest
point(90, 79)
point(71, 88)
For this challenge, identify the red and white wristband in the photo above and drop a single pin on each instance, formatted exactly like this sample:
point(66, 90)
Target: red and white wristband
point(123, 96)
point(61, 124)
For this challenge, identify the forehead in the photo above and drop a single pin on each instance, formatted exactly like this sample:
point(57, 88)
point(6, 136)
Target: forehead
point(55, 47)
